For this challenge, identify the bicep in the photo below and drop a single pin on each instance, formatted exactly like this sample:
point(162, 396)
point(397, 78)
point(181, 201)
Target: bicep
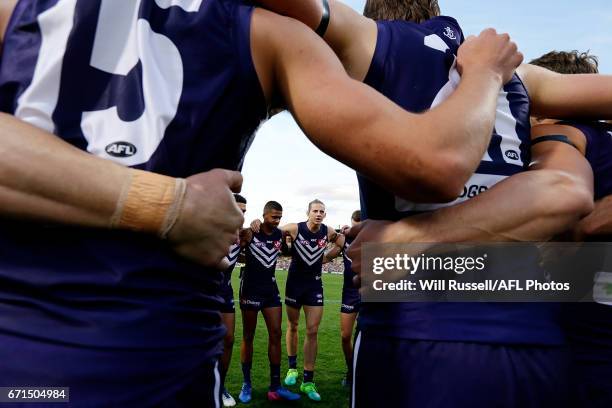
point(555, 155)
point(573, 135)
point(323, 99)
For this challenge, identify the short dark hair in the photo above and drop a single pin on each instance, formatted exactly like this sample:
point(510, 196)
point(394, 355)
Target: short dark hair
point(315, 201)
point(356, 216)
point(568, 62)
point(416, 11)
point(272, 205)
point(239, 198)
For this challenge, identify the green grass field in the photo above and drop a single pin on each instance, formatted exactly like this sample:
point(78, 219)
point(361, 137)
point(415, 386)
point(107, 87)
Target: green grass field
point(330, 367)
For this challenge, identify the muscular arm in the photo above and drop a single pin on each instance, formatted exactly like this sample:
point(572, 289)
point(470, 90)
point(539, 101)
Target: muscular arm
point(335, 250)
point(289, 229)
point(332, 235)
point(351, 35)
point(328, 105)
point(554, 95)
point(598, 223)
point(43, 178)
point(536, 205)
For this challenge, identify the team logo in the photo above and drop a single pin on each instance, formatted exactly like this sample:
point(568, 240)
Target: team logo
point(277, 245)
point(450, 33)
point(121, 149)
point(322, 243)
point(512, 155)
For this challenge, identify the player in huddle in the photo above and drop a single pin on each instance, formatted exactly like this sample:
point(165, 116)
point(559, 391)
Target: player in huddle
point(382, 54)
point(125, 134)
point(259, 293)
point(304, 289)
point(351, 300)
point(588, 325)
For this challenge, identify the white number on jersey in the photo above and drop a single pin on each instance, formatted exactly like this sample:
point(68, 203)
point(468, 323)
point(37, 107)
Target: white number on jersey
point(122, 40)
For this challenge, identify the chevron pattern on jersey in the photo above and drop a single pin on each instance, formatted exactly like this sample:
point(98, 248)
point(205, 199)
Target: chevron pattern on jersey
point(266, 256)
point(309, 254)
point(234, 251)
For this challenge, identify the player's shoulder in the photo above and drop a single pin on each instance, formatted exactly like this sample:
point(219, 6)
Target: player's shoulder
point(447, 27)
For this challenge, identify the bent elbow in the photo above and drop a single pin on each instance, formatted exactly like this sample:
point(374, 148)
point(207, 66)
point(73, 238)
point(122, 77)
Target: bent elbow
point(440, 186)
point(431, 178)
point(452, 175)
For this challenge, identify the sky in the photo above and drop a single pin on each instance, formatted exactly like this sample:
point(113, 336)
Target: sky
point(283, 165)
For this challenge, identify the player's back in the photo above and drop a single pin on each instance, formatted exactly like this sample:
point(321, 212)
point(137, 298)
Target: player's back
point(414, 65)
point(166, 86)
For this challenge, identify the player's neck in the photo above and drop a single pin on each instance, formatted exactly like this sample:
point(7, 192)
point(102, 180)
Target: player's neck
point(312, 226)
point(267, 229)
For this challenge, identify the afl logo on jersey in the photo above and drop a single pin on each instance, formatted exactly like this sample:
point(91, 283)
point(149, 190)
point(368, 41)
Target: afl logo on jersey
point(121, 149)
point(512, 155)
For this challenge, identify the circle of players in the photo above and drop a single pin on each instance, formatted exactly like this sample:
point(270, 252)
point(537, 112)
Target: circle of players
point(179, 87)
point(261, 244)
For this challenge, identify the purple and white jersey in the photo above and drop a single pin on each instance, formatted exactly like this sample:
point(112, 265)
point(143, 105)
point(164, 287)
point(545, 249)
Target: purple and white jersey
point(307, 253)
point(260, 267)
point(162, 85)
point(348, 272)
point(415, 66)
point(232, 257)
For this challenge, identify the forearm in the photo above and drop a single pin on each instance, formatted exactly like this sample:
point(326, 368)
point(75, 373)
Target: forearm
point(44, 178)
point(430, 155)
point(582, 96)
point(555, 95)
point(516, 209)
point(432, 168)
point(598, 222)
point(460, 129)
point(332, 254)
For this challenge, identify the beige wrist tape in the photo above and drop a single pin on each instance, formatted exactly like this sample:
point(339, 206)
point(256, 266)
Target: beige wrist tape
point(149, 202)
